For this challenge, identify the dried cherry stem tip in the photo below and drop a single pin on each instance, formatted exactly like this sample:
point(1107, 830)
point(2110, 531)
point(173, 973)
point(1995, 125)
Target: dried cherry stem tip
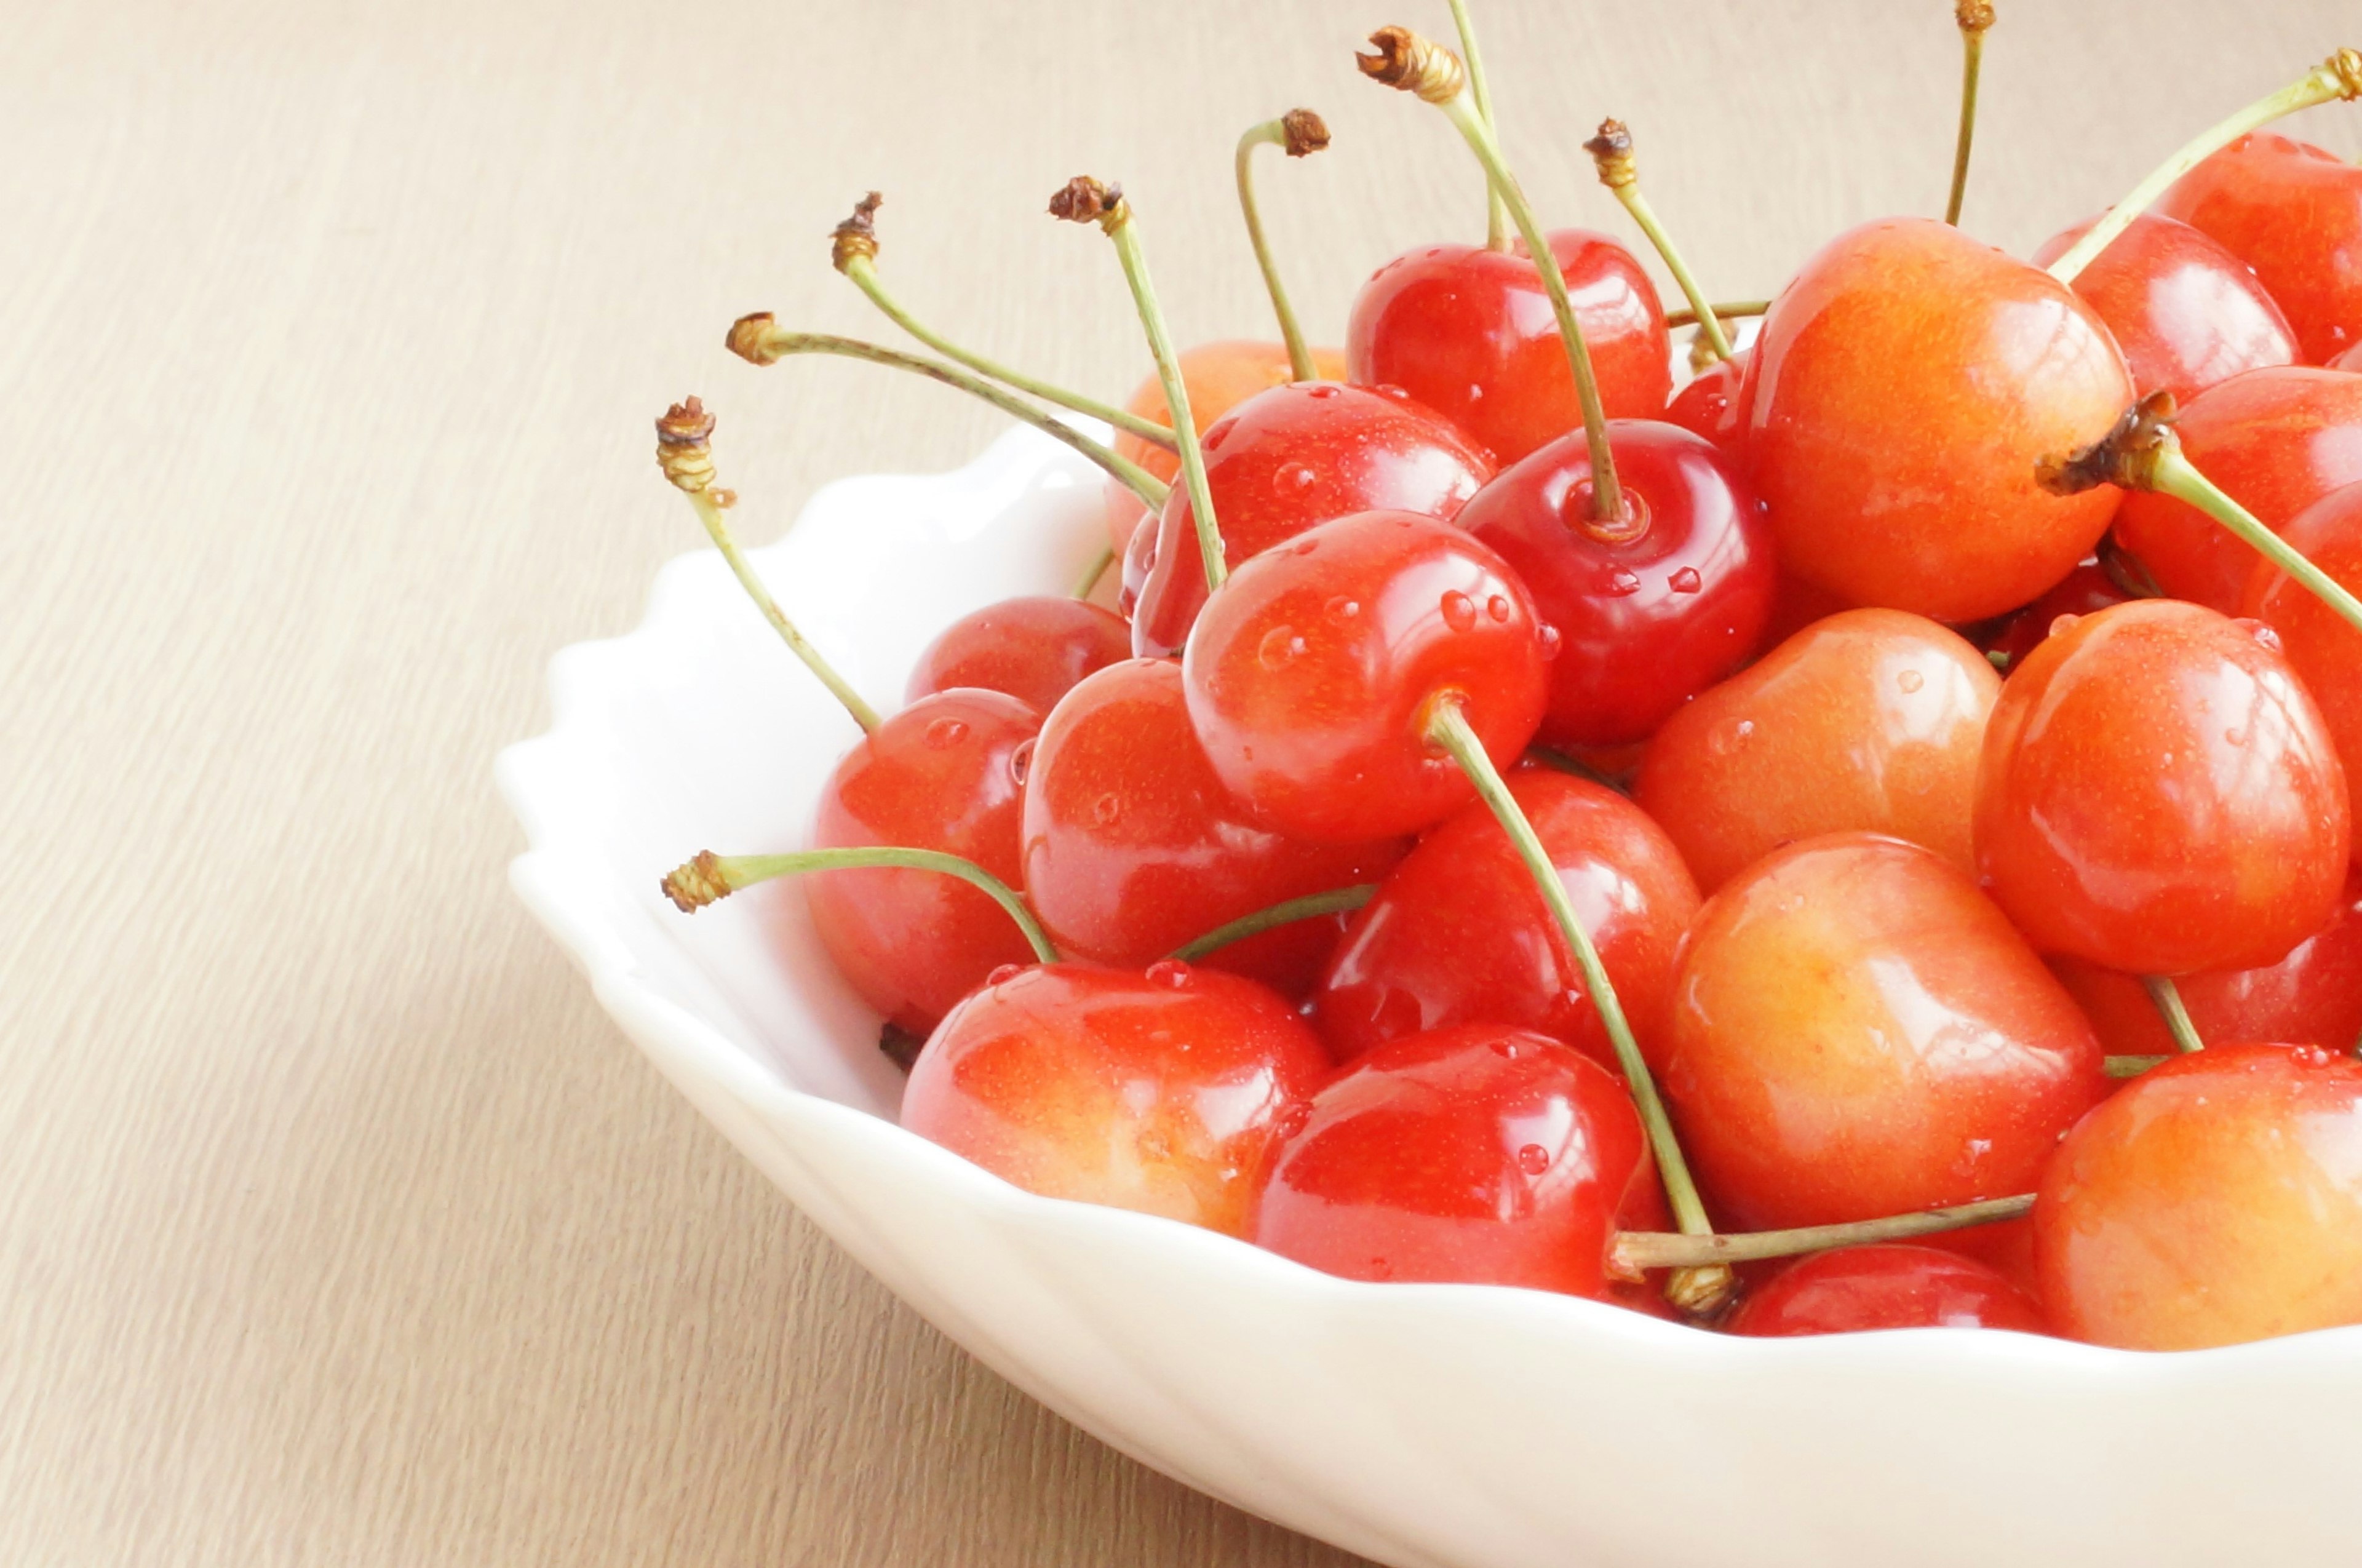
point(2339, 76)
point(708, 876)
point(2168, 997)
point(1635, 1251)
point(685, 453)
point(1974, 16)
point(1300, 133)
point(1619, 170)
point(1312, 905)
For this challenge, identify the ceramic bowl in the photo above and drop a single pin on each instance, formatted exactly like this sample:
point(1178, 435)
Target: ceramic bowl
point(1478, 1427)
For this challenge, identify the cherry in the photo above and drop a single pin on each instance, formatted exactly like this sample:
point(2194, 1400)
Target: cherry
point(1903, 389)
point(2088, 589)
point(2276, 441)
point(2321, 646)
point(1158, 1091)
point(1710, 404)
point(2187, 312)
point(1313, 674)
point(1469, 333)
point(1480, 1155)
point(1870, 720)
point(2213, 1201)
point(1796, 605)
point(1283, 459)
point(1457, 933)
point(2158, 794)
point(2293, 212)
point(1856, 1032)
point(1891, 1285)
point(1650, 606)
point(1032, 649)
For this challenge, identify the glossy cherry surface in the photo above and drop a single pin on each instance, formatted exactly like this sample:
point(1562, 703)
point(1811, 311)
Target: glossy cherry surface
point(1870, 720)
point(1034, 648)
point(1904, 386)
point(2213, 1201)
point(1458, 933)
point(2158, 794)
point(1855, 1030)
point(1313, 675)
point(2292, 212)
point(2325, 651)
point(1889, 1285)
point(1710, 406)
point(1651, 609)
point(1158, 1091)
point(1469, 333)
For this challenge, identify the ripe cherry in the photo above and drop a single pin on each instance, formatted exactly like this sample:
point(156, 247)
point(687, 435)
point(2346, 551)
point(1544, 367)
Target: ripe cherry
point(1711, 404)
point(1870, 720)
point(1469, 333)
point(1034, 648)
point(2088, 589)
point(2292, 212)
point(1158, 1091)
point(2213, 1201)
point(2158, 794)
point(1904, 386)
point(1889, 1285)
point(2323, 649)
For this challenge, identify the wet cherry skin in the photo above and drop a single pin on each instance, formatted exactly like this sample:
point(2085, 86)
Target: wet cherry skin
point(1282, 461)
point(1469, 333)
point(1649, 610)
point(1480, 1156)
point(1889, 1285)
point(1710, 404)
point(2325, 652)
point(2275, 441)
point(1034, 648)
point(1870, 720)
point(1904, 386)
point(942, 774)
point(2186, 311)
point(1855, 1030)
point(2292, 212)
point(2212, 1200)
point(1133, 846)
point(1458, 935)
point(2158, 794)
point(2087, 590)
point(1313, 675)
point(1158, 1091)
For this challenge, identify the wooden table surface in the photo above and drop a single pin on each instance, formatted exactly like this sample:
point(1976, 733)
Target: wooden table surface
point(336, 1224)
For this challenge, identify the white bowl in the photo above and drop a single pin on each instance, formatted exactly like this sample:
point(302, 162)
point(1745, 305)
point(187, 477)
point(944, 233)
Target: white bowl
point(1474, 1426)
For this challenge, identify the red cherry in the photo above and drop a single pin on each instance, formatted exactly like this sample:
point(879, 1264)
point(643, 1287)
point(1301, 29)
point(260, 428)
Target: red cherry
point(1313, 674)
point(1458, 933)
point(1856, 1032)
point(1885, 1286)
point(1284, 461)
point(2087, 590)
point(1480, 1155)
point(1904, 386)
point(2213, 1201)
point(2349, 361)
point(2158, 794)
point(1796, 605)
point(2323, 649)
point(2276, 441)
point(1132, 848)
point(1034, 649)
point(2292, 212)
point(1469, 333)
point(942, 774)
point(2186, 311)
point(1871, 720)
point(1710, 406)
point(1649, 610)
point(1158, 1092)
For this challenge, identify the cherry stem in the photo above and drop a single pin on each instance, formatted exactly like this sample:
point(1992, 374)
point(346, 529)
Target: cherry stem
point(1731, 311)
point(2168, 997)
point(1497, 217)
point(759, 341)
point(1635, 1251)
point(2339, 76)
point(2133, 1067)
point(1300, 133)
point(708, 876)
point(1089, 581)
point(1973, 16)
point(855, 254)
point(1287, 911)
point(685, 453)
point(1619, 170)
point(1448, 727)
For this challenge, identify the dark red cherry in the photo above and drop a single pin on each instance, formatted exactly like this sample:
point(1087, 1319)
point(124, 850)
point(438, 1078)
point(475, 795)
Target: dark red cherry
point(1885, 1286)
point(1469, 333)
point(2088, 590)
point(2292, 212)
point(1034, 649)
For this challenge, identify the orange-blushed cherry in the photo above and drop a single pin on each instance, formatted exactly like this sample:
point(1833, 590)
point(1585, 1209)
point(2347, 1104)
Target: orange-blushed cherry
point(1034, 648)
point(1868, 720)
point(2324, 649)
point(1886, 1285)
point(2292, 212)
point(1158, 1090)
point(2158, 794)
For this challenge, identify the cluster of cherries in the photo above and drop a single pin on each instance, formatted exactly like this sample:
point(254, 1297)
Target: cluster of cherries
point(1885, 807)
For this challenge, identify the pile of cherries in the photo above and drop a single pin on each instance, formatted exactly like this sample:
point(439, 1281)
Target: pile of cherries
point(1863, 840)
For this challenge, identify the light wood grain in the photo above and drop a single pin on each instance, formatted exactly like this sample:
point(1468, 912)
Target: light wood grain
point(336, 1225)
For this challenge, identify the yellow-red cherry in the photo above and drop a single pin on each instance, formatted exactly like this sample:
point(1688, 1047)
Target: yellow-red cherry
point(2325, 651)
point(1887, 1286)
point(1034, 648)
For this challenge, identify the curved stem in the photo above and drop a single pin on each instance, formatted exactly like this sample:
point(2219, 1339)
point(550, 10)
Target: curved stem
point(717, 527)
point(1287, 912)
point(706, 876)
point(1085, 584)
point(1974, 16)
point(1497, 226)
point(1708, 322)
point(2170, 474)
point(2168, 997)
point(1635, 1251)
point(1124, 231)
point(1729, 311)
point(756, 339)
point(1271, 133)
point(2133, 1067)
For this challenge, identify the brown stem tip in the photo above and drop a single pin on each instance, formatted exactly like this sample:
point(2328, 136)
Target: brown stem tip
point(2123, 457)
point(857, 235)
point(1611, 150)
point(750, 339)
point(1414, 64)
point(2346, 66)
point(1084, 200)
point(685, 444)
point(1974, 15)
point(1303, 132)
point(697, 884)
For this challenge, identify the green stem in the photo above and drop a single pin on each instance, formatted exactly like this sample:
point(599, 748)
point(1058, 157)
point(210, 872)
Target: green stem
point(2168, 997)
point(1287, 912)
point(1974, 19)
point(1497, 226)
point(1635, 1251)
point(2168, 472)
point(1125, 232)
point(1709, 319)
point(1271, 133)
point(2134, 1066)
point(1089, 581)
point(701, 880)
point(717, 527)
point(1730, 311)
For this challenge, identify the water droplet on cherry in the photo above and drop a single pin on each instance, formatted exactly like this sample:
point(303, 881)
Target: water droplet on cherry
point(1623, 584)
point(1551, 640)
point(1170, 973)
point(1020, 761)
point(2061, 625)
point(1006, 972)
point(1685, 580)
point(1321, 388)
point(1498, 607)
point(1910, 680)
point(1342, 608)
point(1533, 1159)
point(1105, 809)
point(1280, 645)
point(946, 734)
point(1459, 610)
point(2266, 637)
point(1292, 478)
